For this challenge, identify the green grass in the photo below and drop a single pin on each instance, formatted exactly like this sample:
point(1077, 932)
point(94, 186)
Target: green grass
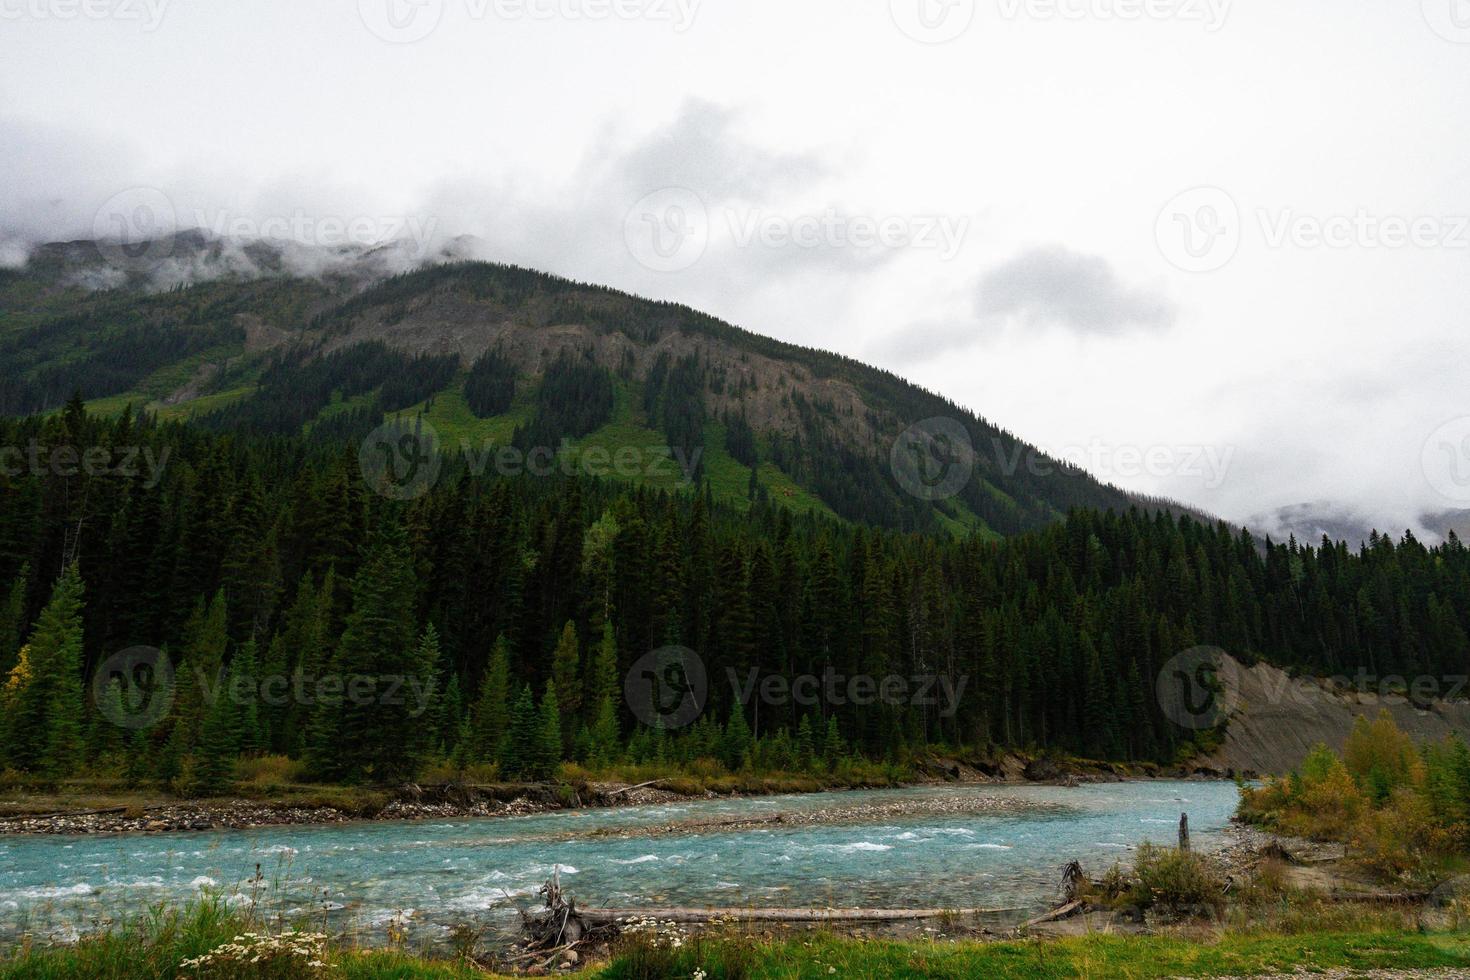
point(450, 415)
point(113, 405)
point(791, 494)
point(153, 944)
point(1095, 956)
point(170, 378)
point(204, 404)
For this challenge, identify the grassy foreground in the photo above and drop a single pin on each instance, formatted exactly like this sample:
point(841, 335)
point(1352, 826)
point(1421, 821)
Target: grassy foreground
point(158, 944)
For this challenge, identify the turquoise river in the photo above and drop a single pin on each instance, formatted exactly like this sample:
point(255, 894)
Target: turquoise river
point(435, 875)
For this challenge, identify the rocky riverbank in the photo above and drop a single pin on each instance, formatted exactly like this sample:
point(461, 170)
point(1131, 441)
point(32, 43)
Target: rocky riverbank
point(452, 801)
point(409, 803)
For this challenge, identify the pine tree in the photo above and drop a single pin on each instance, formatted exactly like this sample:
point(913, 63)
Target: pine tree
point(104, 737)
point(548, 747)
point(604, 738)
point(449, 715)
point(368, 733)
point(736, 746)
point(243, 690)
point(420, 688)
point(492, 715)
point(805, 744)
point(219, 746)
point(566, 672)
point(199, 673)
point(605, 735)
point(12, 621)
point(47, 703)
point(519, 754)
point(832, 748)
point(461, 756)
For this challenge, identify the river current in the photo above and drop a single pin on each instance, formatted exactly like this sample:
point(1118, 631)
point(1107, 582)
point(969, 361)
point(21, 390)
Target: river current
point(434, 875)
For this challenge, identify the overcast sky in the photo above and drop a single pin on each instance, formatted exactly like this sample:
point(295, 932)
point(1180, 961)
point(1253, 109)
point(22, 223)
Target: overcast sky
point(1213, 250)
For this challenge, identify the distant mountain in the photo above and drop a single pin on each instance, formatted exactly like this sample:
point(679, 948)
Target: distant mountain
point(284, 338)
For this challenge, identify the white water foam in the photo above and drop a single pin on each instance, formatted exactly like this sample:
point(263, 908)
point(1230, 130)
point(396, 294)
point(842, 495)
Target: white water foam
point(56, 891)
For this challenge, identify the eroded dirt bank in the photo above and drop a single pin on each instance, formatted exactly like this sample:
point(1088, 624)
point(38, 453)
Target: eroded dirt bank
point(1276, 719)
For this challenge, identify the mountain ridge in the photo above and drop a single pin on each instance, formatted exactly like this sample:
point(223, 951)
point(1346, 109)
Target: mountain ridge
point(257, 322)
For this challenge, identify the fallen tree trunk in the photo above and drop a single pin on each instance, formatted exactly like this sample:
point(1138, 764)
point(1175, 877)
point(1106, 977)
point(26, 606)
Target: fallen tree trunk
point(629, 789)
point(1060, 912)
point(1378, 898)
point(779, 914)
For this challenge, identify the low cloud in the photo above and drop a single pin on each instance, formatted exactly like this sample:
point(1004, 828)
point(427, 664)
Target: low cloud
point(1046, 288)
point(1055, 287)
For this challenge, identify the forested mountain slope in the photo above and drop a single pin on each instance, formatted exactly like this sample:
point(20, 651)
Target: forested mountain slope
point(244, 340)
point(265, 556)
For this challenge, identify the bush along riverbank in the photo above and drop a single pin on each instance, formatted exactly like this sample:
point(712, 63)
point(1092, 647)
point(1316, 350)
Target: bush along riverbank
point(1401, 811)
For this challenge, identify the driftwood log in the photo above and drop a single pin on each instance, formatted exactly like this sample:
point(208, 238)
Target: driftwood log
point(694, 915)
point(1060, 912)
point(1072, 881)
point(629, 789)
point(71, 813)
point(558, 924)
